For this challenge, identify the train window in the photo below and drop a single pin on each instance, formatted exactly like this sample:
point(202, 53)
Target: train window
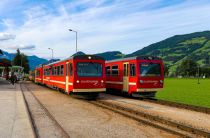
point(89, 69)
point(45, 72)
point(38, 73)
point(132, 70)
point(58, 70)
point(108, 72)
point(125, 69)
point(150, 70)
point(115, 70)
point(49, 71)
point(55, 71)
point(67, 68)
point(70, 69)
point(62, 70)
point(52, 70)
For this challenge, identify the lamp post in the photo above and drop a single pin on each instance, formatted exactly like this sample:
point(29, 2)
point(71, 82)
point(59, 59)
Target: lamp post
point(52, 52)
point(76, 37)
point(198, 74)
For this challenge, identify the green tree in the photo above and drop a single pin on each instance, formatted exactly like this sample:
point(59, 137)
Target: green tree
point(21, 59)
point(188, 67)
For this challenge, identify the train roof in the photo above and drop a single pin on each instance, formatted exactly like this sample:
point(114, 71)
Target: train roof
point(94, 57)
point(136, 58)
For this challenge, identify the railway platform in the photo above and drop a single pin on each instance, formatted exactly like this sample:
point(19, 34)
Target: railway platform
point(14, 117)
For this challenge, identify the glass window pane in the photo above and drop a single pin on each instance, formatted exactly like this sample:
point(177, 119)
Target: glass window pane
point(150, 70)
point(91, 69)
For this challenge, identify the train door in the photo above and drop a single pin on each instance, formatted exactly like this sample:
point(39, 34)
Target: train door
point(67, 77)
point(125, 77)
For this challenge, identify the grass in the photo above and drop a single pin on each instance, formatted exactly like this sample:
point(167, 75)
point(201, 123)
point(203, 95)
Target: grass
point(186, 91)
point(198, 40)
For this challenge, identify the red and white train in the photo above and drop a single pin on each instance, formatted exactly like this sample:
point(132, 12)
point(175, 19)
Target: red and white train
point(81, 74)
point(136, 76)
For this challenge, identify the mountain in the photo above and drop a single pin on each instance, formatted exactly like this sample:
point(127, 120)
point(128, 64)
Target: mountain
point(174, 49)
point(110, 55)
point(78, 53)
point(33, 60)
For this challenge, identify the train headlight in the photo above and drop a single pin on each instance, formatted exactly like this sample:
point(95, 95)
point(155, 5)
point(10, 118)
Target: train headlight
point(102, 81)
point(161, 81)
point(89, 57)
point(141, 81)
point(77, 81)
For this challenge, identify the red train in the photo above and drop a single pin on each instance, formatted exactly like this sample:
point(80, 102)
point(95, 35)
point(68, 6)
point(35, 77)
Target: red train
point(136, 76)
point(81, 74)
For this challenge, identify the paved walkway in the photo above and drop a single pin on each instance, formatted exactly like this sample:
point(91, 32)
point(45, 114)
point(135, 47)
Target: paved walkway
point(14, 118)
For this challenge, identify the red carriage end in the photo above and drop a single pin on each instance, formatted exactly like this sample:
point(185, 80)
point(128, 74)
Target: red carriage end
point(137, 76)
point(77, 74)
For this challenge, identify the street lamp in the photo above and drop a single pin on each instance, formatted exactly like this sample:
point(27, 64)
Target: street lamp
point(198, 74)
point(76, 37)
point(52, 52)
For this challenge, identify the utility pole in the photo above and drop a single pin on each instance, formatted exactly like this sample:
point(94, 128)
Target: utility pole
point(52, 53)
point(198, 74)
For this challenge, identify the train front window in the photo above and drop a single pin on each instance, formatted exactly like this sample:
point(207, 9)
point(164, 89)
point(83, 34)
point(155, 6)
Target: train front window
point(150, 70)
point(89, 69)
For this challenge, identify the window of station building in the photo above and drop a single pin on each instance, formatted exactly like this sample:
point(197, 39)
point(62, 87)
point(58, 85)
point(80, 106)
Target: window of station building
point(132, 70)
point(62, 70)
point(70, 69)
point(115, 70)
point(108, 71)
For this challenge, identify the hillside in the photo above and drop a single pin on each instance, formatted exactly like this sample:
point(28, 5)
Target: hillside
point(174, 49)
point(110, 55)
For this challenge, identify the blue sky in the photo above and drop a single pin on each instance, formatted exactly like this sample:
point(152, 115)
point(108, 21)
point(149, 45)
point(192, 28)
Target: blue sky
point(102, 25)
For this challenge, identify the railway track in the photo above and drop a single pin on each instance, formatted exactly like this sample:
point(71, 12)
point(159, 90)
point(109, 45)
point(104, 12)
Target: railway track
point(174, 127)
point(172, 104)
point(40, 117)
point(179, 105)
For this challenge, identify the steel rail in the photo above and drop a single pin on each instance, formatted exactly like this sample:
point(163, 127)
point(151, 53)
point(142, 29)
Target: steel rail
point(172, 127)
point(45, 110)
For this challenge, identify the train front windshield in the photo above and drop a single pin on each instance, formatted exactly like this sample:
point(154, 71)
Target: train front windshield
point(150, 70)
point(89, 69)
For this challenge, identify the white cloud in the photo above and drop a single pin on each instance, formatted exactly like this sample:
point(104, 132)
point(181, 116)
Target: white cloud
point(6, 36)
point(23, 47)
